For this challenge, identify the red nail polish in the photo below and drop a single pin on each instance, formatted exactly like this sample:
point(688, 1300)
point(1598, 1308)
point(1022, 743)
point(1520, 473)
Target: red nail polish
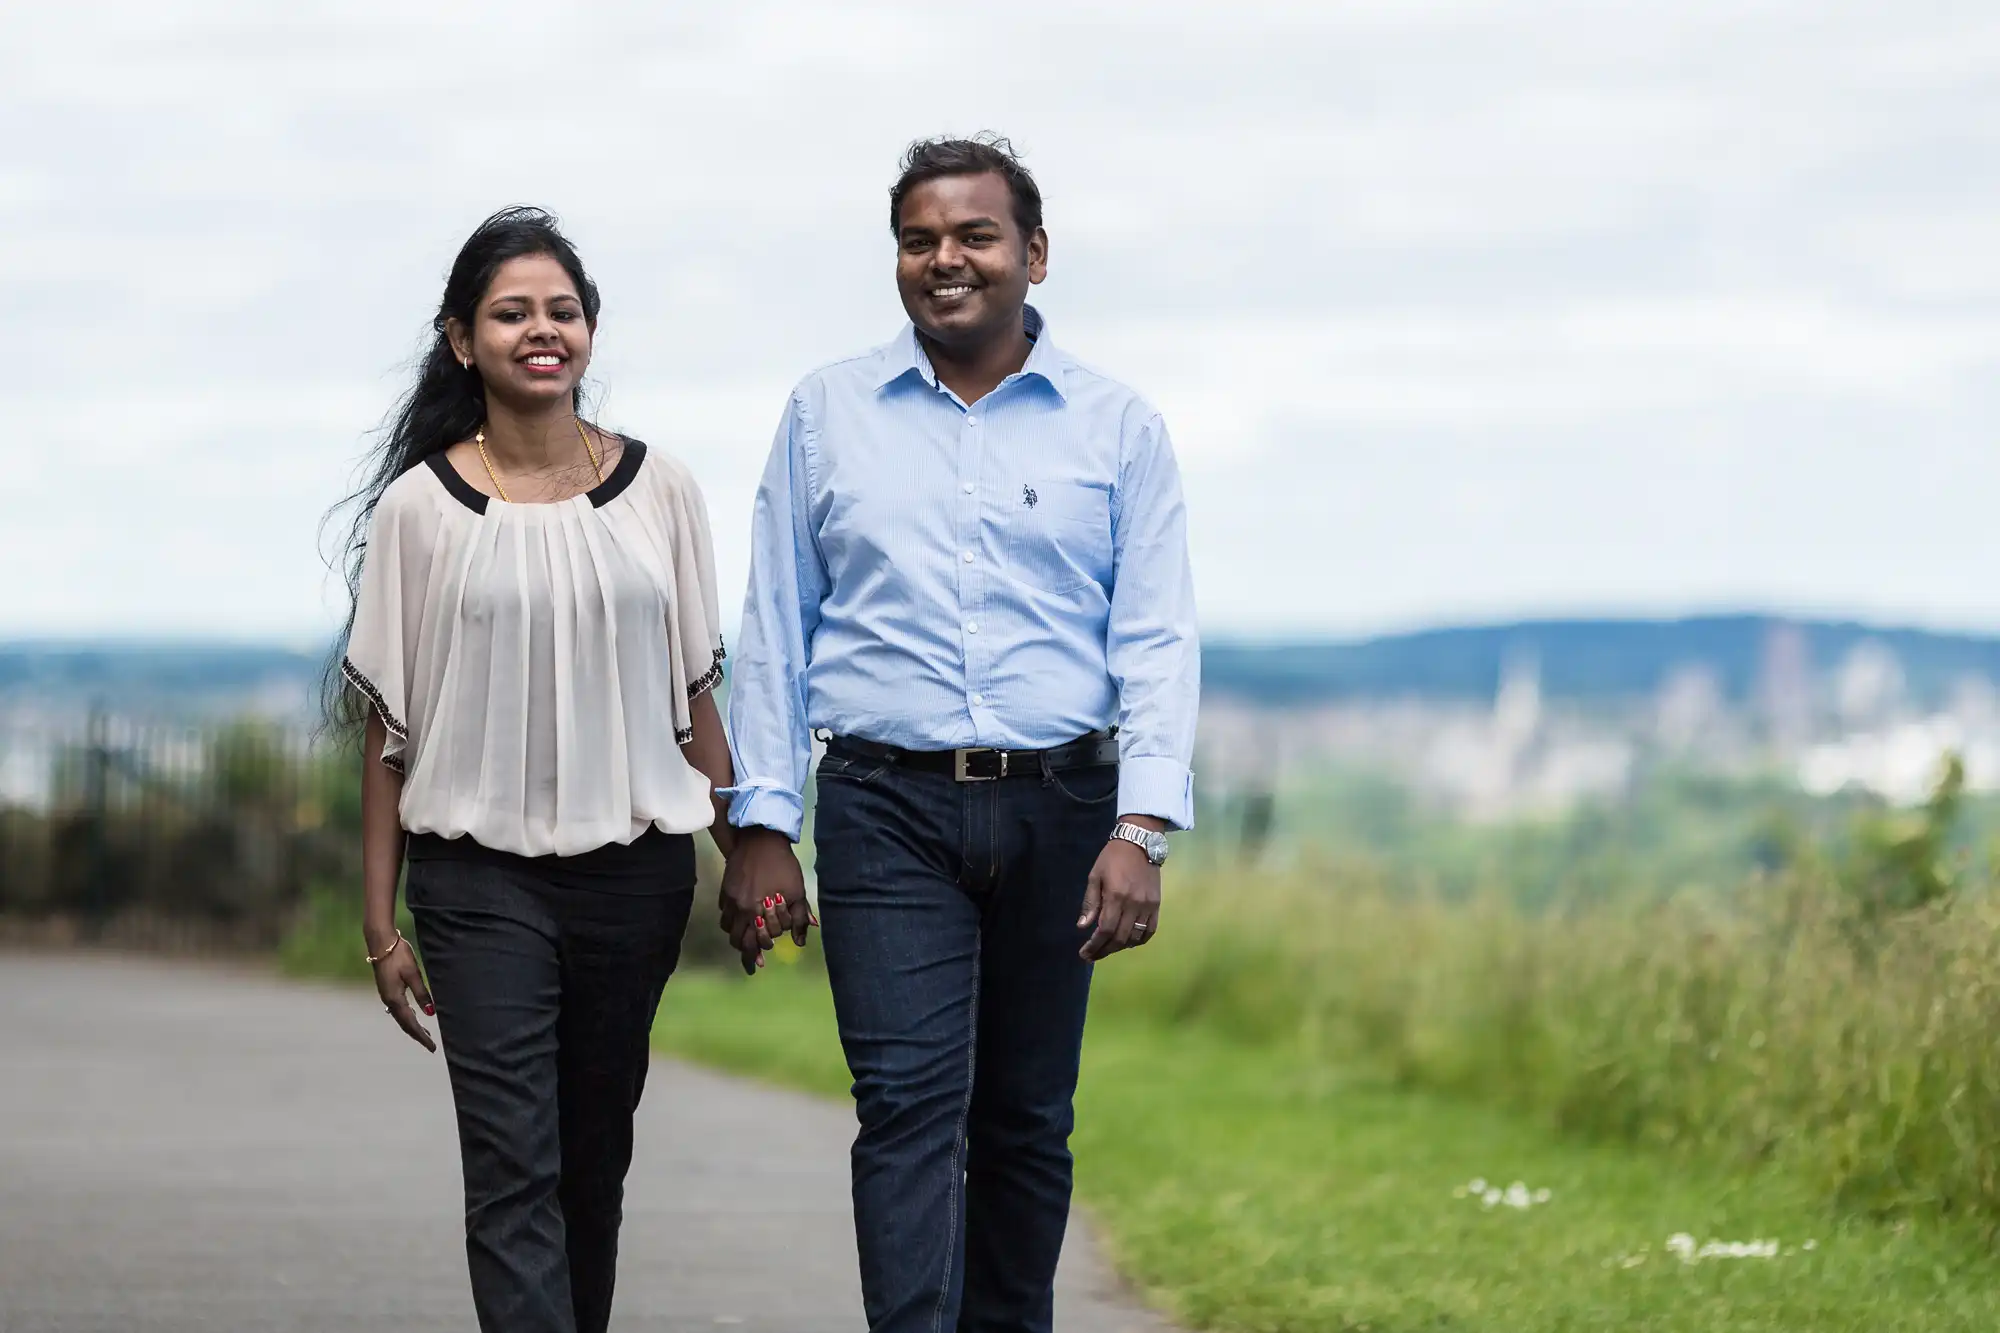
point(430, 1010)
point(760, 923)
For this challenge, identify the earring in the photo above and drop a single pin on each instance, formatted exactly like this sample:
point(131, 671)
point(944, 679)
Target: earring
point(468, 363)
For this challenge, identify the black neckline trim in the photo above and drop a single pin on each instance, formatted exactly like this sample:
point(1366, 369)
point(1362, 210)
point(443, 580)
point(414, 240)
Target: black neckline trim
point(461, 490)
point(621, 476)
point(599, 495)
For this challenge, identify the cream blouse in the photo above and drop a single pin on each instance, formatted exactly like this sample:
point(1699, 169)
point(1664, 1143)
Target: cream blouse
point(535, 665)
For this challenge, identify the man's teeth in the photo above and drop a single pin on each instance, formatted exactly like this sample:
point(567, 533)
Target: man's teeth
point(950, 291)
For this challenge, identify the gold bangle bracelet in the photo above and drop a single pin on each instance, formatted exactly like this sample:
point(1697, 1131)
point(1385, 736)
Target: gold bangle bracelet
point(373, 959)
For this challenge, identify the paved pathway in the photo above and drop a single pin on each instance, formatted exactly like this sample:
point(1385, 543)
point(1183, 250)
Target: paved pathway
point(188, 1149)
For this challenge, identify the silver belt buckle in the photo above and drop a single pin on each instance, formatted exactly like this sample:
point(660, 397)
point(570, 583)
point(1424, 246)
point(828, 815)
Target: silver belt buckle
point(961, 757)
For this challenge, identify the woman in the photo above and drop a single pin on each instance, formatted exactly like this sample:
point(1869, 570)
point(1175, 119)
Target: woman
point(530, 657)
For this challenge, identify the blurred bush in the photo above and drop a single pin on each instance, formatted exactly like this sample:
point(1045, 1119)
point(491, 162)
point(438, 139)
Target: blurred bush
point(1836, 1013)
point(176, 829)
point(324, 938)
point(240, 835)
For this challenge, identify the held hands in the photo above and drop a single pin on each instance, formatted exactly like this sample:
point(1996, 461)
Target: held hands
point(763, 895)
point(1122, 899)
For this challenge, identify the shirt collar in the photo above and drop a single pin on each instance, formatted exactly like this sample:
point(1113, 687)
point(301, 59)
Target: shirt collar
point(906, 356)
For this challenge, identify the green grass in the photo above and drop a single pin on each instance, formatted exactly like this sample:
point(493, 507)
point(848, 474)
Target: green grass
point(1245, 1189)
point(324, 941)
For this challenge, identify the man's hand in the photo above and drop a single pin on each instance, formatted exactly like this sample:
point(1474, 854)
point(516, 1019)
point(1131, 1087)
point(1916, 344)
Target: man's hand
point(1122, 899)
point(763, 895)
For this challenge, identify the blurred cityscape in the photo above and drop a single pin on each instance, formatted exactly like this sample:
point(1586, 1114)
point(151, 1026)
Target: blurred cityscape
point(1851, 723)
point(1484, 725)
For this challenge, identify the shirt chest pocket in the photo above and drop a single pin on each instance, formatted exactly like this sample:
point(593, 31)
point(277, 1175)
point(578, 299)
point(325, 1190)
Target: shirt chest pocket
point(1059, 536)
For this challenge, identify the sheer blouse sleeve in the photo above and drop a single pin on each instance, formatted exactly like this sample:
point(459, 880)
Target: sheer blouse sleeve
point(381, 657)
point(694, 628)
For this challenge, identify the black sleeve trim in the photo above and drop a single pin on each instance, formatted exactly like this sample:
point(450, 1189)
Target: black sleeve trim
point(366, 688)
point(708, 679)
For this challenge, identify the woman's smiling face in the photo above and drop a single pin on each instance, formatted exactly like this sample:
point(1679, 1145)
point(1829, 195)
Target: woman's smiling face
point(530, 338)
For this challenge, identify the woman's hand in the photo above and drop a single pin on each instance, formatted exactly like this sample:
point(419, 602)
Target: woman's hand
point(763, 895)
point(396, 972)
point(399, 981)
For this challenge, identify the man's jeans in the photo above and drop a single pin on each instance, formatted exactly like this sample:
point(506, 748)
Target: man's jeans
point(949, 914)
point(545, 1000)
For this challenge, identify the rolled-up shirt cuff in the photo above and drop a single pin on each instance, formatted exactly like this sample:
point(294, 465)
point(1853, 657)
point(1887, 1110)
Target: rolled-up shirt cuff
point(753, 805)
point(1162, 788)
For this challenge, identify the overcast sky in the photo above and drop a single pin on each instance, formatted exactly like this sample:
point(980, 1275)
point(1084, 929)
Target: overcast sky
point(1455, 310)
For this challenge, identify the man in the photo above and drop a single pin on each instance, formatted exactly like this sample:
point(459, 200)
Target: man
point(969, 568)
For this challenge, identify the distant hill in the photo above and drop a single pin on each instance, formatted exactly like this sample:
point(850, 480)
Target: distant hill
point(1578, 659)
point(140, 676)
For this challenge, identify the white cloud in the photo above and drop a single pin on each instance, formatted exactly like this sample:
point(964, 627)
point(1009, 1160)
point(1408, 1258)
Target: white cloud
point(1456, 308)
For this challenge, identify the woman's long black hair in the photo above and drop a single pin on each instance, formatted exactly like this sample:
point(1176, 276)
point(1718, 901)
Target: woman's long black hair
point(446, 405)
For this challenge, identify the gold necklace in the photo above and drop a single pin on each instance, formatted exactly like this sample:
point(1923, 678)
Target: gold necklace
point(492, 476)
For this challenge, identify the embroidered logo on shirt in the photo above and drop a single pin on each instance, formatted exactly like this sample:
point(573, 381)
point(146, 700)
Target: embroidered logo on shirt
point(1029, 498)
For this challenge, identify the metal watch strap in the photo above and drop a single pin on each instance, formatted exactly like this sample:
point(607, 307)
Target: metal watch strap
point(1142, 838)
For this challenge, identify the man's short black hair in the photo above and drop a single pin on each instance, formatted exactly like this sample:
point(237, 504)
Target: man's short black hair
point(932, 159)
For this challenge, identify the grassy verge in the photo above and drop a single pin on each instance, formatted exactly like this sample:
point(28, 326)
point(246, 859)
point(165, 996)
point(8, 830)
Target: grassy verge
point(1834, 1017)
point(1247, 1188)
point(324, 941)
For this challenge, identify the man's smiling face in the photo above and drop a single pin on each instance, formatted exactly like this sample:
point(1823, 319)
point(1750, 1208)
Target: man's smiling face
point(963, 264)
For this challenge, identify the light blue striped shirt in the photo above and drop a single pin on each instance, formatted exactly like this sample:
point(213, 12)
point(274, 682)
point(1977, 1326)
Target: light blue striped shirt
point(934, 576)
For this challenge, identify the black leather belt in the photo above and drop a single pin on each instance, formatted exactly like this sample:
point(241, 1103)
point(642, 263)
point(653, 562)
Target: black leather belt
point(1096, 750)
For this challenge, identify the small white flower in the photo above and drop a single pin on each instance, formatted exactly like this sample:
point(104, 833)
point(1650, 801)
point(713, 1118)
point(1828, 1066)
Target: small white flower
point(1682, 1246)
point(1478, 1185)
point(1491, 1197)
point(1810, 1245)
point(1543, 1195)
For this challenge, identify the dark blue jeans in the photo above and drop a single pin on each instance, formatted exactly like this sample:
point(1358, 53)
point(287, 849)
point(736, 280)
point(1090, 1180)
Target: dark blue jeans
point(949, 917)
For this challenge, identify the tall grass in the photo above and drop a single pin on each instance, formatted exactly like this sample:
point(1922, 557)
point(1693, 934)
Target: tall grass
point(1840, 1017)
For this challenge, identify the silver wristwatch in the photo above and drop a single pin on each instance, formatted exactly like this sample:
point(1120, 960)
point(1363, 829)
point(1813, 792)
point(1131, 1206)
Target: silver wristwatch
point(1154, 845)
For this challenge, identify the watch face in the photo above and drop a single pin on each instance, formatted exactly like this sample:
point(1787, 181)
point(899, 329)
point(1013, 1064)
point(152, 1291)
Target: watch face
point(1154, 845)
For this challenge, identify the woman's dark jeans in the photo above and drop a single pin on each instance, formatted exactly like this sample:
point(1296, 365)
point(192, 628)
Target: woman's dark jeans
point(545, 999)
point(949, 914)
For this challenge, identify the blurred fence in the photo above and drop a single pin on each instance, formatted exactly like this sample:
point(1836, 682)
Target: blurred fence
point(169, 834)
point(194, 837)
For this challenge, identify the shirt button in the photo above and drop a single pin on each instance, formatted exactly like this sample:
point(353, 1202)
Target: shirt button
point(969, 488)
point(972, 627)
point(972, 421)
point(979, 700)
point(968, 557)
